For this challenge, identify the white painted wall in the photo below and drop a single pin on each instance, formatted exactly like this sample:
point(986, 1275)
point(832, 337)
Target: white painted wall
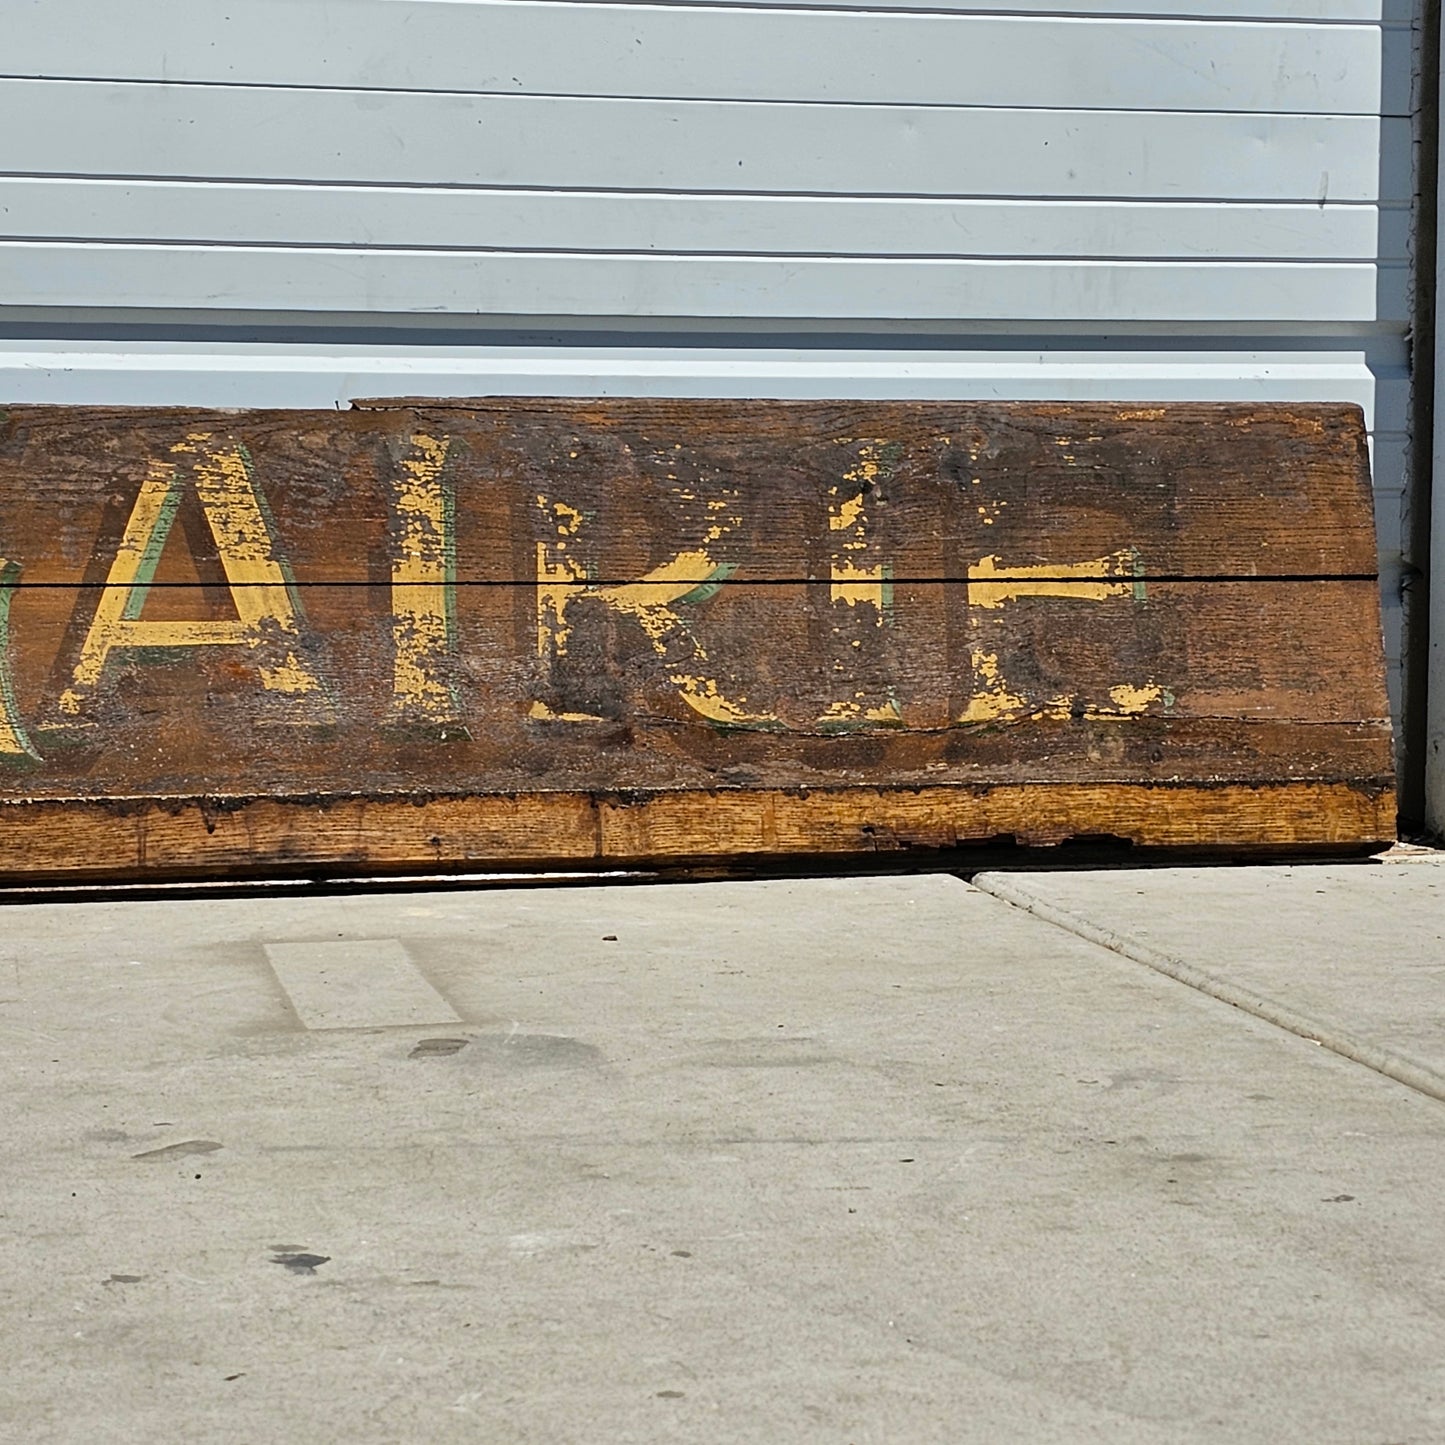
point(296, 202)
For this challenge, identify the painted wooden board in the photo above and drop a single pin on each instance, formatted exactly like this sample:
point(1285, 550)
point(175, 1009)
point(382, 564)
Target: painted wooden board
point(95, 128)
point(506, 632)
point(702, 52)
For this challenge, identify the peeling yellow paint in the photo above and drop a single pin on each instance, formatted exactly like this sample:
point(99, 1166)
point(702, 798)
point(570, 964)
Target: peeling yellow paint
point(680, 576)
point(852, 583)
point(1129, 701)
point(852, 713)
point(543, 713)
point(990, 585)
point(1136, 699)
point(703, 696)
point(557, 577)
point(14, 743)
point(569, 519)
point(870, 461)
point(651, 601)
point(268, 617)
point(423, 566)
point(846, 514)
point(859, 586)
point(991, 700)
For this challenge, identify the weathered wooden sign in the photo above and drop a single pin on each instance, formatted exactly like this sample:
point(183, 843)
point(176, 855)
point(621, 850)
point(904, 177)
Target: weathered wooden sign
point(548, 632)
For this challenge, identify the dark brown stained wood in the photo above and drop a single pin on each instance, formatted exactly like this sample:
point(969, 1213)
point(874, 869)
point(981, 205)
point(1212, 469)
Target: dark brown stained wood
point(1200, 491)
point(538, 632)
point(1196, 694)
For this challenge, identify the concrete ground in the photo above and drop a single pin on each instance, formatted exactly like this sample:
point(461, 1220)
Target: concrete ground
point(894, 1159)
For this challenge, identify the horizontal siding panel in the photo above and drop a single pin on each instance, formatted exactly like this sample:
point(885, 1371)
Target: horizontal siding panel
point(1388, 12)
point(1397, 13)
point(752, 225)
point(251, 133)
point(85, 274)
point(704, 52)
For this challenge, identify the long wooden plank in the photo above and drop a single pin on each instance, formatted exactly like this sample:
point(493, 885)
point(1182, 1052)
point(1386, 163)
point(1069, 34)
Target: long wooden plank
point(620, 687)
point(185, 838)
point(414, 217)
point(252, 133)
point(87, 274)
point(703, 52)
point(651, 632)
point(759, 487)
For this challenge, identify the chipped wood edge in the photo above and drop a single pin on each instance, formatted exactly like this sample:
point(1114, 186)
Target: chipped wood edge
point(197, 837)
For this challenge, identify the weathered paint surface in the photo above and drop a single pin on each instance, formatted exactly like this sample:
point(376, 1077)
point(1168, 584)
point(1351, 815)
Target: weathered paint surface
point(497, 598)
point(14, 743)
point(653, 601)
point(991, 585)
point(423, 587)
point(269, 620)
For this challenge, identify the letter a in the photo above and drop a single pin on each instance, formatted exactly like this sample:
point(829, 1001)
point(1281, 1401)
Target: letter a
point(268, 616)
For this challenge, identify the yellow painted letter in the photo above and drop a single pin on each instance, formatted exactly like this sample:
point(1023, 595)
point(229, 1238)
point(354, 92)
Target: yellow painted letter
point(864, 587)
point(268, 616)
point(690, 578)
point(423, 596)
point(1120, 574)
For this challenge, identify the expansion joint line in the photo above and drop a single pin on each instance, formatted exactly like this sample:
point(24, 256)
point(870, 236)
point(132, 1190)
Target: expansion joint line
point(1413, 1073)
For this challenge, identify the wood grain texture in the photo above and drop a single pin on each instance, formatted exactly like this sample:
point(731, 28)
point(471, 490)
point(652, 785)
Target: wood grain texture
point(556, 631)
point(205, 837)
point(1201, 491)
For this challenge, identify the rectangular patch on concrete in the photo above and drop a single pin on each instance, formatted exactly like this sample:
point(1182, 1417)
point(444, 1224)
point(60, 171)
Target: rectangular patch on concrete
point(359, 983)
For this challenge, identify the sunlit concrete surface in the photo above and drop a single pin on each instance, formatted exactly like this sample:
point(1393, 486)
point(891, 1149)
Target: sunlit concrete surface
point(1355, 951)
point(850, 1160)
